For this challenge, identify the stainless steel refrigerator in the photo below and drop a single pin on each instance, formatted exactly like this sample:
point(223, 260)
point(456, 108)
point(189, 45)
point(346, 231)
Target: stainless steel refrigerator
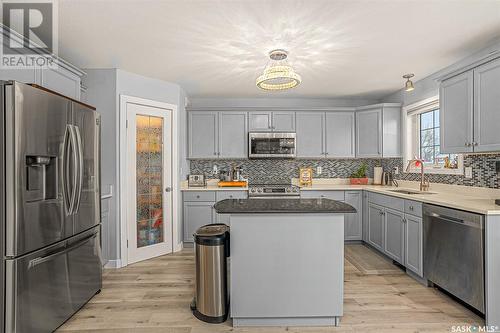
point(49, 207)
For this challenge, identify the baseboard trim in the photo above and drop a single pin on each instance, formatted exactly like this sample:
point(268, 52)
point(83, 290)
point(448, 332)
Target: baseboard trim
point(117, 263)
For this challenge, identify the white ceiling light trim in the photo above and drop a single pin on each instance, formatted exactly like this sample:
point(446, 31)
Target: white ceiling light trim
point(278, 74)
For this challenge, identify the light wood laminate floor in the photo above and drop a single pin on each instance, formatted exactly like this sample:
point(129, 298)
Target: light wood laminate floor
point(154, 296)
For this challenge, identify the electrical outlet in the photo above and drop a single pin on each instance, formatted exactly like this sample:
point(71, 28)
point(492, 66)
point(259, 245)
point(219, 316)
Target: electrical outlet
point(468, 172)
point(215, 170)
point(319, 170)
point(396, 170)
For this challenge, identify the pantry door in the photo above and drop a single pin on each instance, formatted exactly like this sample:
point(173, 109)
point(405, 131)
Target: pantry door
point(149, 177)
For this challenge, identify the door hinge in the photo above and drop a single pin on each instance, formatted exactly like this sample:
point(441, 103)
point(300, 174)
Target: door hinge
point(127, 243)
point(98, 121)
point(126, 123)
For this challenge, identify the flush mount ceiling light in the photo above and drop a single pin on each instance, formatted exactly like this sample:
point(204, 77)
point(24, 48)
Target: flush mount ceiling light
point(278, 74)
point(408, 84)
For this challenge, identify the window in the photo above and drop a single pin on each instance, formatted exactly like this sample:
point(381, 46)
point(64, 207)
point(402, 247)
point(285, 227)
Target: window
point(429, 142)
point(422, 139)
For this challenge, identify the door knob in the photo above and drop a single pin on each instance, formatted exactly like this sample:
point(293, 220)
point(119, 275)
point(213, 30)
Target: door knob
point(168, 189)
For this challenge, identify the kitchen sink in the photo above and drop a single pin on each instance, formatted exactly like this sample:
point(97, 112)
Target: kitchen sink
point(411, 191)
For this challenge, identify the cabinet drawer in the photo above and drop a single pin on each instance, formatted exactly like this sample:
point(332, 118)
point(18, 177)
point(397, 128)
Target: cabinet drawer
point(221, 195)
point(387, 201)
point(334, 195)
point(413, 208)
point(199, 196)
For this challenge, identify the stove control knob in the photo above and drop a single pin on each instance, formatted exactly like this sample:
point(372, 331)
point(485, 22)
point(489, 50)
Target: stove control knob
point(252, 190)
point(259, 190)
point(295, 189)
point(288, 189)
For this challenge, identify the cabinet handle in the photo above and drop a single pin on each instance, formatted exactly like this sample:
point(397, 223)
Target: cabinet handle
point(475, 143)
point(411, 207)
point(215, 153)
point(197, 197)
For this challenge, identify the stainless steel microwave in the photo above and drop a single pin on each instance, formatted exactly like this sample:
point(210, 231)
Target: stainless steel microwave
point(271, 145)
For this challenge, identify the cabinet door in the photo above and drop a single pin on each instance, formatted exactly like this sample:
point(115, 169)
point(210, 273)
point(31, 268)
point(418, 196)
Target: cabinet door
point(62, 81)
point(233, 135)
point(352, 222)
point(283, 121)
point(455, 102)
point(339, 134)
point(310, 134)
point(487, 107)
point(260, 121)
point(196, 214)
point(203, 134)
point(365, 216)
point(394, 235)
point(376, 226)
point(414, 245)
point(369, 133)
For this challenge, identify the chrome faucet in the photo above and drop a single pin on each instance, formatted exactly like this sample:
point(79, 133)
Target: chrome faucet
point(424, 184)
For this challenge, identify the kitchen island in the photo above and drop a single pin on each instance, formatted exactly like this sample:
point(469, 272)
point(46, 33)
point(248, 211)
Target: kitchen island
point(287, 261)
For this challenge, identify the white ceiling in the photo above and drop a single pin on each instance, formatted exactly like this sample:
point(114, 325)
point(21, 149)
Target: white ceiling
point(349, 49)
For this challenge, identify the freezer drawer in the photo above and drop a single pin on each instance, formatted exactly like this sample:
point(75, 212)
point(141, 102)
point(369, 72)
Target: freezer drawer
point(44, 288)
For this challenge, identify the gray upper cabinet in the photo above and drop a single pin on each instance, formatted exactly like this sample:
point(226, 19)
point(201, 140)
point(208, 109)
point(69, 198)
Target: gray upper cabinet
point(470, 110)
point(203, 138)
point(339, 134)
point(376, 228)
point(413, 245)
point(456, 113)
point(487, 107)
point(378, 130)
point(394, 235)
point(283, 121)
point(233, 135)
point(352, 222)
point(369, 133)
point(310, 134)
point(260, 121)
point(268, 121)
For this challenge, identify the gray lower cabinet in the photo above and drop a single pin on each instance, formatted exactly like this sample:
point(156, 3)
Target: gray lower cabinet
point(376, 227)
point(197, 214)
point(394, 235)
point(233, 135)
point(365, 216)
point(414, 244)
point(203, 138)
point(221, 195)
point(353, 226)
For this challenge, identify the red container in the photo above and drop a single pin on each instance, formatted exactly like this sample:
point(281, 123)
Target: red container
point(359, 181)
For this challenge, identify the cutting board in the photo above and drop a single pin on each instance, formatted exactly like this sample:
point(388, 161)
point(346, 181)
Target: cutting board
point(232, 184)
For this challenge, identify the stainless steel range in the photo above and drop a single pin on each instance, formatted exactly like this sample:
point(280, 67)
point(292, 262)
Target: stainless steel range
point(273, 190)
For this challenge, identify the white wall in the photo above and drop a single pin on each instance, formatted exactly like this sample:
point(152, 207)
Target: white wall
point(104, 87)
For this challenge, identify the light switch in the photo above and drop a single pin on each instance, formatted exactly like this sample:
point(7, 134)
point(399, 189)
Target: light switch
point(396, 170)
point(468, 172)
point(319, 170)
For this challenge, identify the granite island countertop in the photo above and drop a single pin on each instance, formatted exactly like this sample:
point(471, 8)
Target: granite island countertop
point(285, 205)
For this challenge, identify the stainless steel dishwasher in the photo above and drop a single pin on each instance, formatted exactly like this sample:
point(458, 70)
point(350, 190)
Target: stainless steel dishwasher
point(454, 253)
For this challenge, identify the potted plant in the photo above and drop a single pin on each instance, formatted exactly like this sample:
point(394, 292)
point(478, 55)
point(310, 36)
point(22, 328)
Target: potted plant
point(359, 177)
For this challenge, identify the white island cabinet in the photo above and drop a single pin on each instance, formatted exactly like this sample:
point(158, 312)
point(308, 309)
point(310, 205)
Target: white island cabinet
point(287, 261)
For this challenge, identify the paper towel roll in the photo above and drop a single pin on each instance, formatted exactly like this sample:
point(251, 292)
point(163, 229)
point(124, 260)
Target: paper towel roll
point(377, 175)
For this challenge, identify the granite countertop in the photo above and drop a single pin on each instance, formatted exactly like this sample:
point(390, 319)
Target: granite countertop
point(264, 206)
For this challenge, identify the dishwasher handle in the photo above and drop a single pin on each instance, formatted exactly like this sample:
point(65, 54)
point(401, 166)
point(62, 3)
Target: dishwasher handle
point(467, 219)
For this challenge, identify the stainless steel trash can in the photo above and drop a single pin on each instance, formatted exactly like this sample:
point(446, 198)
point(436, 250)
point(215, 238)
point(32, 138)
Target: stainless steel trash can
point(211, 301)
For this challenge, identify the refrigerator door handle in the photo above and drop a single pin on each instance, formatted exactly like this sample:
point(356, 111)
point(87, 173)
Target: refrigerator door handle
point(65, 171)
point(80, 169)
point(74, 149)
point(40, 260)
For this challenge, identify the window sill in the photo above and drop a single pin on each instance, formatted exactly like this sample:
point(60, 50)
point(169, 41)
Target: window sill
point(456, 172)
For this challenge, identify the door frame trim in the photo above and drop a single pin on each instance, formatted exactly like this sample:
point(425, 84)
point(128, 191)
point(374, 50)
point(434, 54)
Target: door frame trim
point(122, 167)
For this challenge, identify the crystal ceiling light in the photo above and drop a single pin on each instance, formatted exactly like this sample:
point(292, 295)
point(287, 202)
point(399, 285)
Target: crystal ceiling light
point(278, 74)
point(408, 84)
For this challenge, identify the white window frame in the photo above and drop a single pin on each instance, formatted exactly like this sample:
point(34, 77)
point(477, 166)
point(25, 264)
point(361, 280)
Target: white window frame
point(411, 136)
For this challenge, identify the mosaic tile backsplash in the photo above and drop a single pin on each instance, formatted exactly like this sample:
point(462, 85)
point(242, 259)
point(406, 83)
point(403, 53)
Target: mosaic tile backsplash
point(279, 171)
